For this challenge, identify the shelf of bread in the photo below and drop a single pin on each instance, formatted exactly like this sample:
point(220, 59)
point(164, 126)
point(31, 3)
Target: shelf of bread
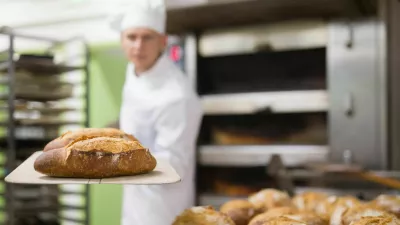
point(42, 108)
point(38, 64)
point(35, 94)
point(43, 122)
point(48, 96)
point(275, 102)
point(260, 155)
point(272, 206)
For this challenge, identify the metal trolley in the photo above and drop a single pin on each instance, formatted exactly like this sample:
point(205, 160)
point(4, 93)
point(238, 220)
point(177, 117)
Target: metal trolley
point(44, 91)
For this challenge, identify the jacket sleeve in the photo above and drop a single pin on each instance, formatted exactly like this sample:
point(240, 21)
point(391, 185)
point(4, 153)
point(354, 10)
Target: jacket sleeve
point(172, 133)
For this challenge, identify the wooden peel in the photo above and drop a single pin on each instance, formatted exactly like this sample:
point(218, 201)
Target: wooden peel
point(357, 171)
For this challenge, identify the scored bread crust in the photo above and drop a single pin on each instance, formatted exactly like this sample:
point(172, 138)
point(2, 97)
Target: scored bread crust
point(99, 157)
point(86, 133)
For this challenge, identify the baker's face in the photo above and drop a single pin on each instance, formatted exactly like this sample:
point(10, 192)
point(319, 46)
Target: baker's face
point(142, 46)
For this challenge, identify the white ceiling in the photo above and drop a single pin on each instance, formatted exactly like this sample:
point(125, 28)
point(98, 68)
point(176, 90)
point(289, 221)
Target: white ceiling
point(63, 19)
point(23, 13)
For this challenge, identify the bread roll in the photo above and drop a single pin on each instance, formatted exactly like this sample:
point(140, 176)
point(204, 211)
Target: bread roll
point(390, 203)
point(309, 218)
point(269, 198)
point(282, 220)
point(377, 220)
point(356, 213)
point(89, 156)
point(86, 133)
point(327, 207)
point(272, 213)
point(202, 216)
point(240, 211)
point(308, 201)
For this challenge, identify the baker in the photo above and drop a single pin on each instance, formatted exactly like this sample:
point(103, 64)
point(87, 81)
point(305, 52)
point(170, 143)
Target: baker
point(161, 109)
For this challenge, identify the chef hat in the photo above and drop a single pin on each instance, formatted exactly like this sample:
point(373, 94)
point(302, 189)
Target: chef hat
point(141, 13)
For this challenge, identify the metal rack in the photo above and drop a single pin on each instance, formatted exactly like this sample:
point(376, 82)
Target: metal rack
point(42, 95)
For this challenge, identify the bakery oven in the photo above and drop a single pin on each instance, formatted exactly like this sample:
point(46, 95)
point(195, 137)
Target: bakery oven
point(307, 90)
point(264, 92)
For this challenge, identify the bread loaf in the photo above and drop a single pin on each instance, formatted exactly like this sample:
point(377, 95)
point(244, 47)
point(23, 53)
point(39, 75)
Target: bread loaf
point(377, 220)
point(282, 220)
point(202, 215)
point(86, 133)
point(390, 203)
point(269, 198)
point(94, 153)
point(240, 211)
point(308, 201)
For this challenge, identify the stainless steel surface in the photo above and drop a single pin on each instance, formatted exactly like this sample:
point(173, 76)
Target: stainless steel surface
point(354, 69)
point(261, 11)
point(10, 31)
point(190, 43)
point(15, 145)
point(277, 102)
point(258, 155)
point(389, 19)
point(302, 173)
point(347, 157)
point(288, 35)
point(11, 150)
point(277, 169)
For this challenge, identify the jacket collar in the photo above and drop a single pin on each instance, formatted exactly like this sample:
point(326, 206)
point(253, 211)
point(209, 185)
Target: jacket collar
point(156, 75)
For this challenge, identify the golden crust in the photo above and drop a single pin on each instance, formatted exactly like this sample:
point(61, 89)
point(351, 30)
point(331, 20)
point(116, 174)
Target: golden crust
point(327, 207)
point(90, 156)
point(269, 198)
point(308, 201)
point(272, 213)
point(204, 215)
point(240, 211)
point(279, 211)
point(92, 132)
point(377, 220)
point(86, 133)
point(308, 217)
point(105, 144)
point(390, 203)
point(356, 213)
point(282, 220)
point(94, 164)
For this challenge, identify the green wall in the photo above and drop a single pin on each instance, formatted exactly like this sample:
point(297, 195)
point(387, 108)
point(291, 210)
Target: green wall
point(107, 70)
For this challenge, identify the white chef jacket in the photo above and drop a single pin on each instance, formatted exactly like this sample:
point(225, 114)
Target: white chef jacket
point(161, 109)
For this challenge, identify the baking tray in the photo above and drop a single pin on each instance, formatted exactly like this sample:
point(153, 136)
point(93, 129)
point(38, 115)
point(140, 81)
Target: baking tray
point(25, 174)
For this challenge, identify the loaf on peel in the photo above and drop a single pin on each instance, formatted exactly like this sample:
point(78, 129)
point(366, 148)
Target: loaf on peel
point(95, 153)
point(87, 133)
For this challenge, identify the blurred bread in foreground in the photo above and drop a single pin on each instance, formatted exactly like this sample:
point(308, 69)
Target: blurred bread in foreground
point(202, 215)
point(308, 201)
point(240, 211)
point(390, 203)
point(326, 208)
point(269, 198)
